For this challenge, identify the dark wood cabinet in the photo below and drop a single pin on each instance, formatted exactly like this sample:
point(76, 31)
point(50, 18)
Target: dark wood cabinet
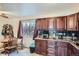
point(78, 21)
point(52, 23)
point(72, 22)
point(38, 24)
point(42, 23)
point(51, 48)
point(64, 23)
point(62, 48)
point(62, 51)
point(72, 51)
point(69, 23)
point(55, 48)
point(45, 23)
point(41, 47)
point(38, 46)
point(60, 23)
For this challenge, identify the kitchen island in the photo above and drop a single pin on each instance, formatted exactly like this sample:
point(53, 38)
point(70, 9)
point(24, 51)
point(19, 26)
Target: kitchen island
point(56, 47)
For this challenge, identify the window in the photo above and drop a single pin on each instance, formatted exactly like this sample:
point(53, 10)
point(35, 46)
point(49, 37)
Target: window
point(28, 27)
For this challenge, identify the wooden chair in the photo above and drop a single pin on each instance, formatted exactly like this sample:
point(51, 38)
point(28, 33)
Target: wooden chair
point(15, 45)
point(1, 47)
point(12, 46)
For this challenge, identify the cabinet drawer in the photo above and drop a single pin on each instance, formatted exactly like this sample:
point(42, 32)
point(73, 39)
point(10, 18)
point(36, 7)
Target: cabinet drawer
point(52, 52)
point(51, 46)
point(51, 42)
point(62, 44)
point(50, 49)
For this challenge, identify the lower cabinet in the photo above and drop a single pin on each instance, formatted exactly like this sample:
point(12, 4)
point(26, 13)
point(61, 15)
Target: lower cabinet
point(62, 48)
point(72, 51)
point(62, 51)
point(51, 52)
point(41, 47)
point(51, 48)
point(55, 48)
point(37, 47)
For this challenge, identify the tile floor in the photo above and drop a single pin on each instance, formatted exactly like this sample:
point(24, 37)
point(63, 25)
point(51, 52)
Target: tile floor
point(24, 52)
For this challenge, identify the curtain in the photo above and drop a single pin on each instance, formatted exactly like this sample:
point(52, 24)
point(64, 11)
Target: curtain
point(20, 30)
point(25, 29)
point(35, 30)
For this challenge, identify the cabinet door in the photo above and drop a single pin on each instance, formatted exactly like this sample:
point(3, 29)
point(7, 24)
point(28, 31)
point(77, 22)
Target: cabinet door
point(75, 51)
point(43, 46)
point(60, 23)
point(37, 44)
point(42, 23)
point(72, 22)
point(72, 51)
point(38, 23)
point(78, 21)
point(45, 23)
point(77, 54)
point(51, 51)
point(51, 48)
point(62, 48)
point(62, 51)
point(52, 23)
point(62, 44)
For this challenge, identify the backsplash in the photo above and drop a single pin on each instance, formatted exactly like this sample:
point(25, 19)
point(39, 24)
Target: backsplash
point(68, 33)
point(43, 33)
point(59, 34)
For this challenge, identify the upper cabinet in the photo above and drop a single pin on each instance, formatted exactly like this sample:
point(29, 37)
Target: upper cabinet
point(60, 23)
point(69, 23)
point(72, 22)
point(52, 23)
point(42, 23)
point(78, 21)
point(45, 23)
point(38, 24)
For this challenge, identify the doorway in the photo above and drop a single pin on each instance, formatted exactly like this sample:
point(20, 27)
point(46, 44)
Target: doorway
point(28, 31)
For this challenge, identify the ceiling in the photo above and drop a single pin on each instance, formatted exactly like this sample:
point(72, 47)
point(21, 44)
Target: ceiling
point(39, 9)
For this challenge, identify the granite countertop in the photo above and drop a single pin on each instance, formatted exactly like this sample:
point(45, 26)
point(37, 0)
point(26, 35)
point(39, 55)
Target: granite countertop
point(69, 41)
